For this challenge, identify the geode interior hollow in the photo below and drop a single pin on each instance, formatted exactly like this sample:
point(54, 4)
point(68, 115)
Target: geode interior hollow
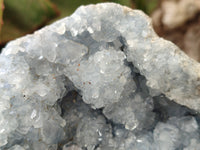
point(100, 79)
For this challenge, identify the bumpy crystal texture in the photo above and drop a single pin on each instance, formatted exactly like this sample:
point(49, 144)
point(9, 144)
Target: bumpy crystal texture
point(100, 79)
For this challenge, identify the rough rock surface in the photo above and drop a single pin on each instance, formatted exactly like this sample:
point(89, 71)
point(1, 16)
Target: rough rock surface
point(100, 79)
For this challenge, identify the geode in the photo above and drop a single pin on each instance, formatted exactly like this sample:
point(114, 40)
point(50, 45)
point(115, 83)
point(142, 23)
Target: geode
point(100, 79)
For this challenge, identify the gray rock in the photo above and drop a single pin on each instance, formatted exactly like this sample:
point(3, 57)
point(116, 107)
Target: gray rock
point(91, 79)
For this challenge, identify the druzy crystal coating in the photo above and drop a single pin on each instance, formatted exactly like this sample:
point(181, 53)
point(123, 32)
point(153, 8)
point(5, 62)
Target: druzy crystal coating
point(100, 79)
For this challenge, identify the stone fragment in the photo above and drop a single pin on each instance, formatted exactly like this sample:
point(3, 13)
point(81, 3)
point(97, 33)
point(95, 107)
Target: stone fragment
point(96, 81)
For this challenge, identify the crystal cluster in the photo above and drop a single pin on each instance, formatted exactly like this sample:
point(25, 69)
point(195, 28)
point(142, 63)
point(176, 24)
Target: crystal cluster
point(100, 79)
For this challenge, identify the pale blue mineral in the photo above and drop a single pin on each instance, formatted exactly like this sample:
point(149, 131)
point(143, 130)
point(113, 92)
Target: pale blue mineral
point(100, 79)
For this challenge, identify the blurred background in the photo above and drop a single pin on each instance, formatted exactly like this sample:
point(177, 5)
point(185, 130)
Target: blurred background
point(174, 20)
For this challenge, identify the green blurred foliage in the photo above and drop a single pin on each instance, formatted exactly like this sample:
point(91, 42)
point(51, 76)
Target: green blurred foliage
point(1, 13)
point(67, 7)
point(24, 16)
point(29, 13)
point(146, 5)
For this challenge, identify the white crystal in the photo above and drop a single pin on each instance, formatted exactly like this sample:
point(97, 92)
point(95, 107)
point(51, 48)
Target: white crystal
point(99, 79)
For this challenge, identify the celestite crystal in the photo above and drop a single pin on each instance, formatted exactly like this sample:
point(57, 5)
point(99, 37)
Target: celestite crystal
point(100, 79)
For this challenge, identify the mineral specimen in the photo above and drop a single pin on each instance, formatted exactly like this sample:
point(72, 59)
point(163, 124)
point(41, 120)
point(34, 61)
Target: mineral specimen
point(100, 79)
